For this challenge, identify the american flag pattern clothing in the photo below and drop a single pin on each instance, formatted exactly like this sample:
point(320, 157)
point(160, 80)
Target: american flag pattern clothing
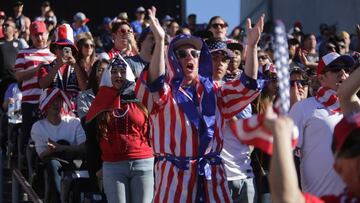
point(173, 134)
point(329, 99)
point(29, 59)
point(281, 57)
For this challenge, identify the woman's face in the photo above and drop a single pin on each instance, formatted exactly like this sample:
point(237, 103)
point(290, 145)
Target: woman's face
point(100, 70)
point(88, 48)
point(302, 85)
point(174, 26)
point(263, 59)
point(218, 28)
point(118, 75)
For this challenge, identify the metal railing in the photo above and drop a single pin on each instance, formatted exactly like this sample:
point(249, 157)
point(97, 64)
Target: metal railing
point(18, 178)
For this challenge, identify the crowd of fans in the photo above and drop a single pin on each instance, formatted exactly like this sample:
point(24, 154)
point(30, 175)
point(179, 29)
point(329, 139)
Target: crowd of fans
point(163, 111)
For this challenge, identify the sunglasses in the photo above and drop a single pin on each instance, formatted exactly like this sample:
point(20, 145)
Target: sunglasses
point(89, 46)
point(123, 31)
point(216, 25)
point(182, 53)
point(262, 57)
point(337, 69)
point(6, 25)
point(302, 82)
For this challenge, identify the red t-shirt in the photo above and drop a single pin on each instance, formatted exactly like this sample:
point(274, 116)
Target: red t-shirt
point(127, 136)
point(344, 197)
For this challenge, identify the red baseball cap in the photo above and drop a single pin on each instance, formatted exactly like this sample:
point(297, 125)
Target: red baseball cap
point(343, 129)
point(37, 27)
point(330, 58)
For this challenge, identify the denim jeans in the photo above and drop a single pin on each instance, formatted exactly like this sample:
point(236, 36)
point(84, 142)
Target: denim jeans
point(130, 181)
point(243, 190)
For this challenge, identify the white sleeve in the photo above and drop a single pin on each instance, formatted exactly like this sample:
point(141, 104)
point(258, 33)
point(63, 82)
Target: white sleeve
point(39, 138)
point(297, 114)
point(80, 136)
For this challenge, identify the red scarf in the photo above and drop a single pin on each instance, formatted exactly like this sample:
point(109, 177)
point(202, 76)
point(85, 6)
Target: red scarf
point(329, 99)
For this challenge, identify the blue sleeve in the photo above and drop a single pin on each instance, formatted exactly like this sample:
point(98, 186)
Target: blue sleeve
point(253, 84)
point(9, 91)
point(157, 84)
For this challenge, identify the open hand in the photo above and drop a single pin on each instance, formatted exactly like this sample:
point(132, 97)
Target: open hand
point(155, 26)
point(253, 33)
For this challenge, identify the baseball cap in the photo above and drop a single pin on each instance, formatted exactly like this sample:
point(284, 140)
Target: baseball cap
point(332, 58)
point(186, 40)
point(140, 10)
point(106, 20)
point(343, 130)
point(80, 16)
point(220, 47)
point(168, 18)
point(37, 27)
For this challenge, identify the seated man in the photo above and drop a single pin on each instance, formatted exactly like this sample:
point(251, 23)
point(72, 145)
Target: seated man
point(57, 127)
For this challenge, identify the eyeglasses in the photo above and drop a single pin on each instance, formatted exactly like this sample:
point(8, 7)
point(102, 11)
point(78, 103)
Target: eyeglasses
point(262, 57)
point(123, 31)
point(337, 69)
point(216, 25)
point(89, 45)
point(302, 82)
point(182, 53)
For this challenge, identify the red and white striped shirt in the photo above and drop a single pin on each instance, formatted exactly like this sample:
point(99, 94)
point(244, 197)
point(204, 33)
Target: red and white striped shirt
point(172, 133)
point(28, 59)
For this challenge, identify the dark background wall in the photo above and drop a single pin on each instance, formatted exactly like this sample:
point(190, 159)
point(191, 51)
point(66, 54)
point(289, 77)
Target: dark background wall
point(95, 10)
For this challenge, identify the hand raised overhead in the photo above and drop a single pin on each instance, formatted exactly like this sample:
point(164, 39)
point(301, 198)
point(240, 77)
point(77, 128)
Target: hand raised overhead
point(253, 33)
point(155, 26)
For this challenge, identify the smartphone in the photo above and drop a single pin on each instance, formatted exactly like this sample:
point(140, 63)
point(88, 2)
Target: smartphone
point(66, 54)
point(67, 51)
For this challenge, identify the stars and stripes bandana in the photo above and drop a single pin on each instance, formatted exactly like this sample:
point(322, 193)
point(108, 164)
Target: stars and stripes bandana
point(49, 95)
point(329, 99)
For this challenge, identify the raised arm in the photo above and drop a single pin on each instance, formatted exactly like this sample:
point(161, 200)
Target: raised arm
point(253, 36)
point(157, 63)
point(283, 177)
point(346, 92)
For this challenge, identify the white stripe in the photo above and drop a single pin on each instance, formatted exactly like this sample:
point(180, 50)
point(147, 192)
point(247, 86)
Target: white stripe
point(165, 174)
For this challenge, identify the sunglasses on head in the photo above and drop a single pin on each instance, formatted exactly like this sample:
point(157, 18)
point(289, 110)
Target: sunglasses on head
point(216, 25)
point(302, 82)
point(182, 53)
point(123, 31)
point(337, 69)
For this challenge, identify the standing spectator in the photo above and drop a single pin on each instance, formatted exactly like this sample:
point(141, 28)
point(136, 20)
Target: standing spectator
point(191, 107)
point(22, 22)
point(124, 40)
point(218, 27)
point(172, 28)
point(2, 20)
point(51, 23)
point(345, 37)
point(118, 131)
point(79, 25)
point(235, 66)
point(9, 48)
point(87, 96)
point(146, 44)
point(63, 72)
point(137, 25)
point(105, 36)
point(27, 64)
point(299, 85)
point(86, 56)
point(166, 21)
point(45, 7)
point(316, 118)
point(308, 55)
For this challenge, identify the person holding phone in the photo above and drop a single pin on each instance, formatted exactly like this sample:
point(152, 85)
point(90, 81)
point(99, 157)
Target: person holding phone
point(64, 72)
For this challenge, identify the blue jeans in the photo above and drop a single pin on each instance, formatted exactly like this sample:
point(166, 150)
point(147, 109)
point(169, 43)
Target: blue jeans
point(129, 181)
point(243, 190)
